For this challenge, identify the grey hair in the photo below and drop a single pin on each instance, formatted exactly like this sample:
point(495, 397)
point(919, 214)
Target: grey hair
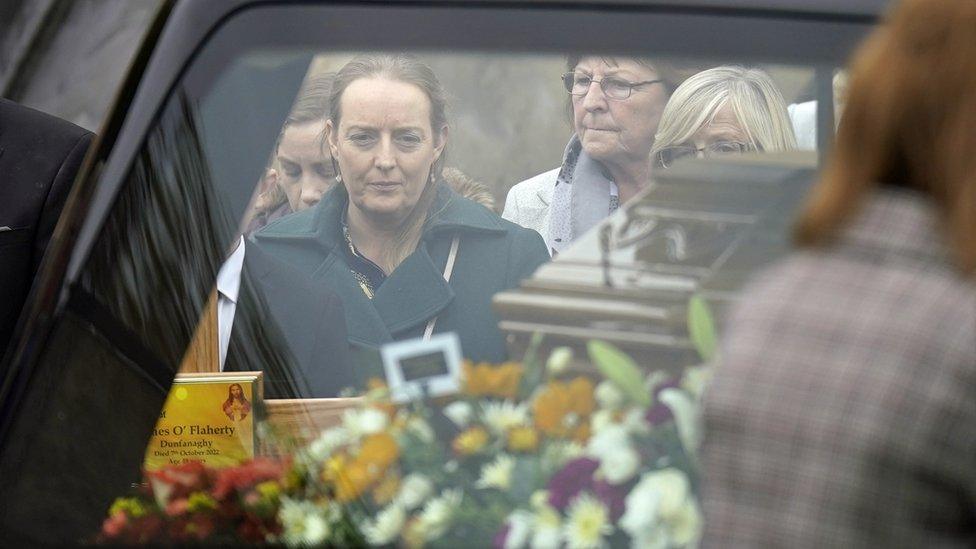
point(751, 94)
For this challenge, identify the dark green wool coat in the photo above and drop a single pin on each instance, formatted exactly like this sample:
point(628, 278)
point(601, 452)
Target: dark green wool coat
point(493, 255)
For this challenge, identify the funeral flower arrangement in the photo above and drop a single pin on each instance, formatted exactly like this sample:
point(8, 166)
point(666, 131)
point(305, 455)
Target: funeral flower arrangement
point(530, 454)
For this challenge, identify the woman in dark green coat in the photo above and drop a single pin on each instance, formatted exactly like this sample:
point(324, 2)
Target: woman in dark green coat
point(407, 255)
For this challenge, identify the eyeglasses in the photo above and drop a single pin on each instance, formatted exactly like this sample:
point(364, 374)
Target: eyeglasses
point(668, 156)
point(614, 88)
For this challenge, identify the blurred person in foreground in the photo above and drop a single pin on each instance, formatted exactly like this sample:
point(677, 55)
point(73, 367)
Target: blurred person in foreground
point(616, 105)
point(39, 158)
point(843, 410)
point(406, 254)
point(724, 110)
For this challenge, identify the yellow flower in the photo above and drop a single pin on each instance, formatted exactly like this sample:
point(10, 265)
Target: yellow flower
point(523, 439)
point(470, 441)
point(379, 449)
point(333, 467)
point(500, 381)
point(562, 409)
point(354, 479)
point(268, 489)
point(200, 501)
point(387, 489)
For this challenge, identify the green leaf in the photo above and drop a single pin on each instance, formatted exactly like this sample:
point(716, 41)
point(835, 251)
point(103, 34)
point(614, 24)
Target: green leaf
point(701, 328)
point(620, 369)
point(533, 368)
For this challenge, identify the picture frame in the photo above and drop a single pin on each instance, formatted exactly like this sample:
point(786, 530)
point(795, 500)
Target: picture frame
point(416, 369)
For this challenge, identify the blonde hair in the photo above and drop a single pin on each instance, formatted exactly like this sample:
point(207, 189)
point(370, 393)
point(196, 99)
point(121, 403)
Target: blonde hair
point(753, 97)
point(909, 121)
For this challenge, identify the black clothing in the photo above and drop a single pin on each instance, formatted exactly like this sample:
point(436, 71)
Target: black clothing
point(289, 327)
point(39, 158)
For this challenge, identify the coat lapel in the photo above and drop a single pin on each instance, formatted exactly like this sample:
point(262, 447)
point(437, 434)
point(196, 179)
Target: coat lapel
point(413, 294)
point(364, 324)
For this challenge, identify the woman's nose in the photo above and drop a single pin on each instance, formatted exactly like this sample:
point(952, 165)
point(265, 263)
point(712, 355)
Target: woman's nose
point(594, 98)
point(385, 156)
point(310, 195)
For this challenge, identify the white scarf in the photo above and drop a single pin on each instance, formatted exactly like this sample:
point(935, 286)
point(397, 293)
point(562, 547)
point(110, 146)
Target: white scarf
point(584, 196)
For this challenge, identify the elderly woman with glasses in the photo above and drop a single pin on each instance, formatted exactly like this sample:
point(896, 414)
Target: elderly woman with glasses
point(725, 110)
point(617, 103)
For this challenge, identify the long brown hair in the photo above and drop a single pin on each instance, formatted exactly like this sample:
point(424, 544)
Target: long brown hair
point(910, 121)
point(408, 69)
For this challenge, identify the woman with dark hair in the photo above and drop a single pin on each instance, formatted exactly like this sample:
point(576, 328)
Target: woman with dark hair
point(843, 413)
point(407, 255)
point(237, 407)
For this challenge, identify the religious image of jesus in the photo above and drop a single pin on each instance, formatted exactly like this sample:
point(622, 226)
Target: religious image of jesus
point(236, 406)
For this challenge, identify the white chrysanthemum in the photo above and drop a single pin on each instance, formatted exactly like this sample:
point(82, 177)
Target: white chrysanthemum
point(548, 524)
point(519, 530)
point(661, 510)
point(435, 518)
point(329, 441)
point(600, 420)
point(587, 523)
point(557, 453)
point(460, 413)
point(386, 527)
point(500, 417)
point(302, 523)
point(414, 491)
point(686, 524)
point(559, 360)
point(497, 474)
point(608, 441)
point(609, 396)
point(365, 421)
point(419, 427)
point(620, 466)
point(635, 422)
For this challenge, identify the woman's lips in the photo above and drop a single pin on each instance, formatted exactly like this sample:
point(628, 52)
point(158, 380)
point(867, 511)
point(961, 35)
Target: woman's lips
point(384, 185)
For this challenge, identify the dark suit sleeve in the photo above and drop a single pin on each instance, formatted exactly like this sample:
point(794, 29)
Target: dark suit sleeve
point(332, 351)
point(56, 196)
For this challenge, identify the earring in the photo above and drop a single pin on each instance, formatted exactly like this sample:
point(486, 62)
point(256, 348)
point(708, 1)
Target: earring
point(338, 178)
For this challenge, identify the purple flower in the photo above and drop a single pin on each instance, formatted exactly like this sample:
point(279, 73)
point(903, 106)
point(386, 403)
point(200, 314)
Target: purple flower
point(660, 412)
point(613, 497)
point(575, 476)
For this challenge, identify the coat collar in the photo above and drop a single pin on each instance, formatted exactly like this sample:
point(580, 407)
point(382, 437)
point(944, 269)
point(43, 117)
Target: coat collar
point(416, 291)
point(896, 222)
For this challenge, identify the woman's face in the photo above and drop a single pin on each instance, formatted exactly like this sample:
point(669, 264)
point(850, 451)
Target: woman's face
point(385, 146)
point(622, 130)
point(306, 171)
point(722, 135)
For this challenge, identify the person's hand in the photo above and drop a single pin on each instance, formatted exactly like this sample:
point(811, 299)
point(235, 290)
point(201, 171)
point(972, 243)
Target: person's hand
point(269, 194)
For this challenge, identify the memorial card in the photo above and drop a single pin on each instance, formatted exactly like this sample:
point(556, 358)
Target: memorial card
point(420, 368)
point(208, 418)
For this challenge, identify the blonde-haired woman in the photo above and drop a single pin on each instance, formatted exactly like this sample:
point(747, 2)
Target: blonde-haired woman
point(843, 413)
point(725, 110)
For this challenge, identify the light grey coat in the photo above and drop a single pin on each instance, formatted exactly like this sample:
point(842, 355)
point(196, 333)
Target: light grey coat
point(528, 202)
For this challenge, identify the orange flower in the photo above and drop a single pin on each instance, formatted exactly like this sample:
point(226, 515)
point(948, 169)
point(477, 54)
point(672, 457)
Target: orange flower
point(379, 449)
point(562, 408)
point(500, 381)
point(523, 439)
point(387, 489)
point(470, 441)
point(355, 479)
